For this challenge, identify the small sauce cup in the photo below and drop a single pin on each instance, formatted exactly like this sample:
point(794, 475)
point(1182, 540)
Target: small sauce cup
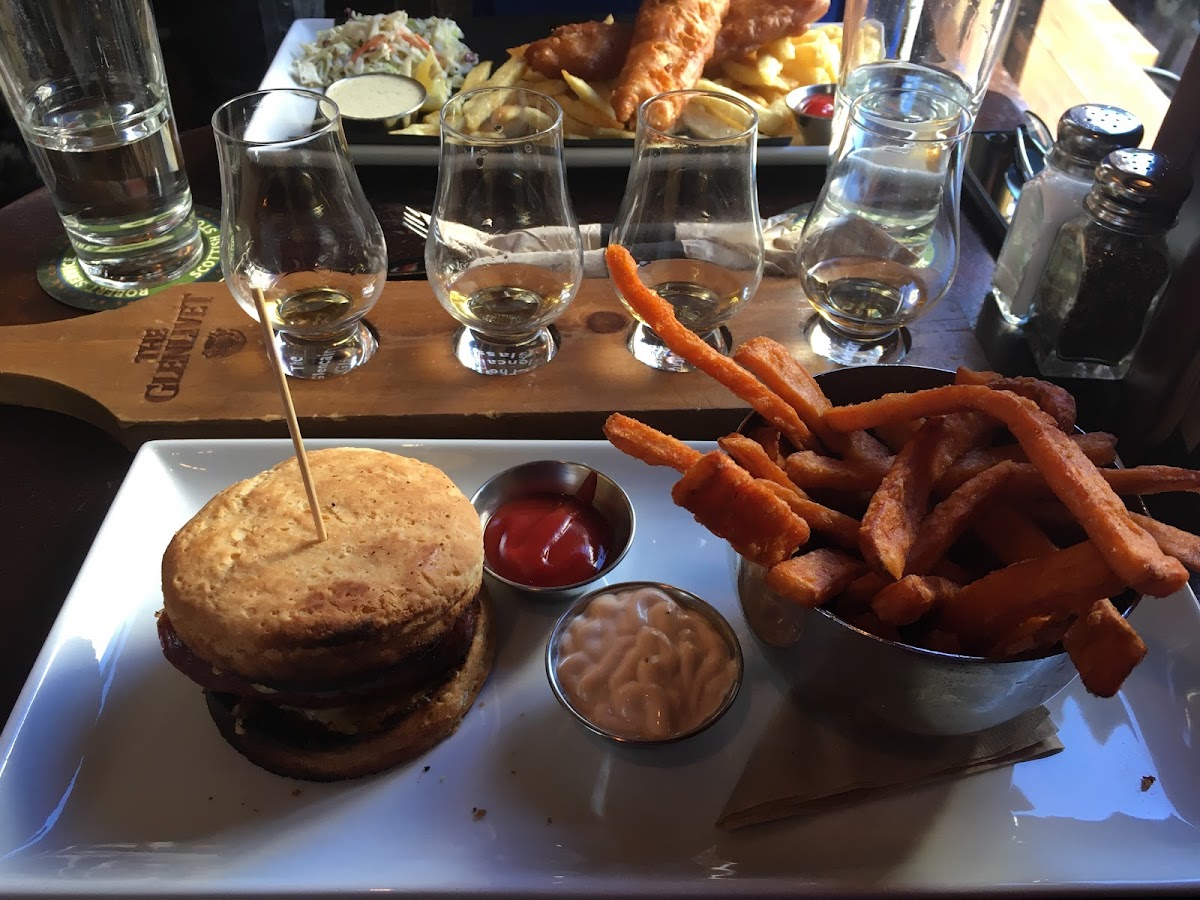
point(553, 478)
point(816, 130)
point(730, 672)
point(376, 100)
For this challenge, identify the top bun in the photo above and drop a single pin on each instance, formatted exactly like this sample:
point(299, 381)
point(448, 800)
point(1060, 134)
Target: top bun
point(251, 591)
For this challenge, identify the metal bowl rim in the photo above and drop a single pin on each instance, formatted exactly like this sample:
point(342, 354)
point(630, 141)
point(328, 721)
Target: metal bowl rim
point(684, 598)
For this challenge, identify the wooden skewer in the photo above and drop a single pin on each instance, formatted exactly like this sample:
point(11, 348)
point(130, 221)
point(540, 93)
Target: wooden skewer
point(260, 303)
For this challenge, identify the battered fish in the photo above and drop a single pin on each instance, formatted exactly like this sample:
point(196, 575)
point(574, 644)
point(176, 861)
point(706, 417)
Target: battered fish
point(596, 51)
point(751, 23)
point(672, 42)
point(593, 51)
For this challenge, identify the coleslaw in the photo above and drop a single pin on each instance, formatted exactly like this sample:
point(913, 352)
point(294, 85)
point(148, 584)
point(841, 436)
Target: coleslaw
point(430, 50)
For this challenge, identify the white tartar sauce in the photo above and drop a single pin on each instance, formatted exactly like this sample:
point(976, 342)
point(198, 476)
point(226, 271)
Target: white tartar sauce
point(376, 96)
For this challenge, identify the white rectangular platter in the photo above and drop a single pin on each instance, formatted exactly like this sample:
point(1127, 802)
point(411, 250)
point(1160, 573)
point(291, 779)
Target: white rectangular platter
point(302, 31)
point(114, 782)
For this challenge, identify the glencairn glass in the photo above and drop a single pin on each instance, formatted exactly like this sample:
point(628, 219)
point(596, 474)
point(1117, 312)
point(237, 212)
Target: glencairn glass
point(880, 246)
point(504, 252)
point(690, 217)
point(296, 224)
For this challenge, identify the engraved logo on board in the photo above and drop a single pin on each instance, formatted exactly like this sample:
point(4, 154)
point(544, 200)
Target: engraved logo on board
point(171, 349)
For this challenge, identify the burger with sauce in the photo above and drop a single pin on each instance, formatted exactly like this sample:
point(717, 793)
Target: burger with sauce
point(331, 659)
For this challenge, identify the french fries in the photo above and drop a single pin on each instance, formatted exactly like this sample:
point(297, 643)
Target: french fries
point(950, 554)
point(762, 79)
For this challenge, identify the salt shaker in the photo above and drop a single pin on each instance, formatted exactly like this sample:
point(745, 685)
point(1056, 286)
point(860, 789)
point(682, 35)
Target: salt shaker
point(1086, 134)
point(1107, 270)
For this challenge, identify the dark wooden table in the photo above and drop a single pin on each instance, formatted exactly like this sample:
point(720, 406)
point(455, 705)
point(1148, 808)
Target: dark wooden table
point(61, 474)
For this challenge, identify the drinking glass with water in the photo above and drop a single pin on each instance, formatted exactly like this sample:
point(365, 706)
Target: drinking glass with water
point(86, 85)
point(945, 46)
point(880, 245)
point(296, 225)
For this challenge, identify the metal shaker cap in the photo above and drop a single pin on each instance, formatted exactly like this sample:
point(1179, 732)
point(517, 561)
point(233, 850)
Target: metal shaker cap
point(1137, 188)
point(1089, 132)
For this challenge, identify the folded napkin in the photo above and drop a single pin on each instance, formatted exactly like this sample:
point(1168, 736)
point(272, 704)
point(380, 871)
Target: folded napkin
point(806, 761)
point(781, 234)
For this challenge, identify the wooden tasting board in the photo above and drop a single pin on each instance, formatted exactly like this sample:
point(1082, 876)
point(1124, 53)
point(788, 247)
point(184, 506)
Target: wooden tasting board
point(188, 362)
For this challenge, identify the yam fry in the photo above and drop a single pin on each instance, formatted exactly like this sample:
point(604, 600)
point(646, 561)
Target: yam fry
point(672, 41)
point(1028, 480)
point(660, 316)
point(1053, 400)
point(900, 502)
point(1104, 648)
point(856, 598)
point(778, 370)
point(834, 525)
point(896, 434)
point(735, 506)
point(1075, 480)
point(905, 601)
point(1183, 545)
point(1011, 535)
point(812, 470)
point(964, 375)
point(1065, 581)
point(750, 455)
point(816, 577)
point(1035, 635)
point(947, 521)
point(1098, 446)
point(651, 446)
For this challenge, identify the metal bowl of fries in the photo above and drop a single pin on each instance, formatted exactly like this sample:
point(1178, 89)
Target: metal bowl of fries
point(869, 675)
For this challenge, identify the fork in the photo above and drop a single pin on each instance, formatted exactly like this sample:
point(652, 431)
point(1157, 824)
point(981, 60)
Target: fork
point(416, 221)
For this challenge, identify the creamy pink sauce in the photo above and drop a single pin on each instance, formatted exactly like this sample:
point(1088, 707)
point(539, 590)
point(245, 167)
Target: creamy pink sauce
point(642, 666)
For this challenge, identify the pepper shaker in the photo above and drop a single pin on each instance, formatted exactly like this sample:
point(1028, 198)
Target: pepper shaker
point(1086, 134)
point(1108, 269)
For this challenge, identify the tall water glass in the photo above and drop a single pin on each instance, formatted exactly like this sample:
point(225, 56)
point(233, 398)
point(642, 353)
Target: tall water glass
point(85, 83)
point(690, 215)
point(504, 253)
point(296, 224)
point(946, 46)
point(880, 246)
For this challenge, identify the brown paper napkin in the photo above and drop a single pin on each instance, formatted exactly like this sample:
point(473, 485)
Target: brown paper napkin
point(805, 761)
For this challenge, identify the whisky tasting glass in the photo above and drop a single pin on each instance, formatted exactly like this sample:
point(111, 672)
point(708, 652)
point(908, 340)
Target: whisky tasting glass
point(880, 246)
point(689, 216)
point(504, 254)
point(295, 223)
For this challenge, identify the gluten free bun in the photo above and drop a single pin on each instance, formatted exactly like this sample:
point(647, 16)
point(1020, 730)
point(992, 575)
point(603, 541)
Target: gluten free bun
point(340, 658)
point(251, 591)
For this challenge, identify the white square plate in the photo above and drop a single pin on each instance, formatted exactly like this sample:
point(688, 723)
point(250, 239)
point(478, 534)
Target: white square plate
point(115, 782)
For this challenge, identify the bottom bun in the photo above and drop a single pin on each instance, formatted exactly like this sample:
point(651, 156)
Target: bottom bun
point(427, 725)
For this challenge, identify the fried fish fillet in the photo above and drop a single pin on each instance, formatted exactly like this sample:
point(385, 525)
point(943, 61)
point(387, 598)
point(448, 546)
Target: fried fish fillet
point(593, 51)
point(751, 23)
point(672, 42)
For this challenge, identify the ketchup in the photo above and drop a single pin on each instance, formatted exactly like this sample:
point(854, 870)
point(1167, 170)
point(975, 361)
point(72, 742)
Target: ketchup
point(547, 540)
point(819, 105)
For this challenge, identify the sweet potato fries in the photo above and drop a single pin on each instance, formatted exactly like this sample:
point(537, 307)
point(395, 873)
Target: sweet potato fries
point(989, 529)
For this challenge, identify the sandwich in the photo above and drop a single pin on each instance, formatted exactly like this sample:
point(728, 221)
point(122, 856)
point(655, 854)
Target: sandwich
point(324, 660)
